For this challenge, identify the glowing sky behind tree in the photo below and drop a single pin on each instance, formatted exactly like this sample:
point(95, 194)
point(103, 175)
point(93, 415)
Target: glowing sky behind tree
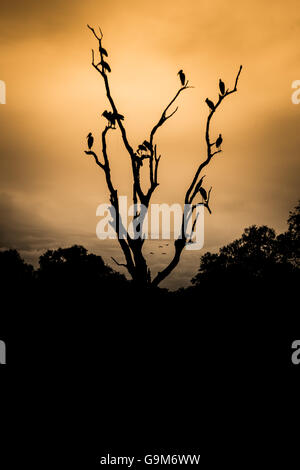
point(50, 189)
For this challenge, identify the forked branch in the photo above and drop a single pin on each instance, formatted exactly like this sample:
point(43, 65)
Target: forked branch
point(196, 186)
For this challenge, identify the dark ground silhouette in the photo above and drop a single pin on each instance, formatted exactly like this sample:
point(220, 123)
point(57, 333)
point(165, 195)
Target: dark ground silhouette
point(259, 265)
point(153, 360)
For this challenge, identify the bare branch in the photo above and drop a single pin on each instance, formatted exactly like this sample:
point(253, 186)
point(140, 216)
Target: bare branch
point(207, 138)
point(119, 264)
point(206, 203)
point(180, 243)
point(193, 226)
point(237, 79)
point(164, 116)
point(90, 152)
point(214, 153)
point(170, 115)
point(94, 33)
point(135, 167)
point(157, 159)
point(197, 187)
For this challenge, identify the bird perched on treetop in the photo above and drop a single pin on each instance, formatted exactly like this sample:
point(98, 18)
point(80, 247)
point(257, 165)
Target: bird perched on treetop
point(210, 104)
point(111, 117)
point(182, 77)
point(118, 116)
point(147, 144)
point(219, 141)
point(222, 87)
point(203, 193)
point(142, 148)
point(105, 65)
point(199, 183)
point(90, 140)
point(103, 51)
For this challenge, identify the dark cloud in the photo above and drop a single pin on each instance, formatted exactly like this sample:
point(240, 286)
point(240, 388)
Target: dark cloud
point(23, 19)
point(31, 235)
point(21, 228)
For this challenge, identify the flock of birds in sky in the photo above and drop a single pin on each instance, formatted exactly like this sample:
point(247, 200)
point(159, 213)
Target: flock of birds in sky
point(160, 246)
point(145, 149)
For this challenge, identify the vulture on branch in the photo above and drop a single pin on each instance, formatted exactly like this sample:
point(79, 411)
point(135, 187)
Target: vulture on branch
point(210, 104)
point(118, 116)
point(222, 87)
point(105, 65)
point(103, 51)
point(203, 193)
point(90, 140)
point(142, 148)
point(110, 117)
point(219, 141)
point(147, 144)
point(182, 77)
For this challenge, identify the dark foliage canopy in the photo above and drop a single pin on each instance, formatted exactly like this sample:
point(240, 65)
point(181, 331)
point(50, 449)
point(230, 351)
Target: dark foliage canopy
point(258, 255)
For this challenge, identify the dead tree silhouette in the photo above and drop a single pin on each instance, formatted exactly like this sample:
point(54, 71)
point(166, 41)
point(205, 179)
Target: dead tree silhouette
point(136, 263)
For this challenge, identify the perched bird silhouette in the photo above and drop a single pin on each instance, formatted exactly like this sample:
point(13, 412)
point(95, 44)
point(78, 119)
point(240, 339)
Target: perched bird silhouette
point(110, 117)
point(210, 104)
point(147, 144)
point(103, 51)
point(222, 87)
point(203, 193)
point(219, 141)
point(142, 148)
point(118, 116)
point(182, 77)
point(106, 66)
point(90, 140)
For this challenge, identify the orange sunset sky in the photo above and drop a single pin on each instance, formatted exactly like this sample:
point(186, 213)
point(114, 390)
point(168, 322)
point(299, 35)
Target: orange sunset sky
point(50, 189)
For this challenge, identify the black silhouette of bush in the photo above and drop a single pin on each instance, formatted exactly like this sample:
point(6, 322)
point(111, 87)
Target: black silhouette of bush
point(74, 266)
point(257, 257)
point(14, 272)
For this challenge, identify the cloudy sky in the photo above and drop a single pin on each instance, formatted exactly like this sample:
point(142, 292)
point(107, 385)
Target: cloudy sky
point(50, 189)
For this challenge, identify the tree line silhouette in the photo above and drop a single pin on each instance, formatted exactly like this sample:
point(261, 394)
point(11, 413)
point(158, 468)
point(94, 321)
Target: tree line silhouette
point(259, 259)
